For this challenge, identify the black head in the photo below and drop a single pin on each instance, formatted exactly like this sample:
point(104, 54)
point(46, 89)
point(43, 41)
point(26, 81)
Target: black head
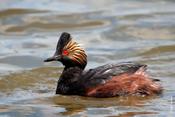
point(69, 52)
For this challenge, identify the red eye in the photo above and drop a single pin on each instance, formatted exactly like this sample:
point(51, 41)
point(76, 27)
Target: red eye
point(65, 52)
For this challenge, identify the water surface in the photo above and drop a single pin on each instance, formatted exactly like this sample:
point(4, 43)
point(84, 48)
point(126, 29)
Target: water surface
point(110, 31)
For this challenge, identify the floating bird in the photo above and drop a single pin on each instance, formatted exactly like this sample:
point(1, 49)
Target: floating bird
point(122, 79)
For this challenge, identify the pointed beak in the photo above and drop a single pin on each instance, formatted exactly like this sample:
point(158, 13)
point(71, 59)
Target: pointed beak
point(64, 39)
point(54, 58)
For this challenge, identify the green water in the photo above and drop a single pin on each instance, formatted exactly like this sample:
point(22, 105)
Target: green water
point(111, 31)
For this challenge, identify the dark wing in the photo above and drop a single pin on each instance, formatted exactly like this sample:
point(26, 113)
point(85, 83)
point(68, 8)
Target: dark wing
point(100, 75)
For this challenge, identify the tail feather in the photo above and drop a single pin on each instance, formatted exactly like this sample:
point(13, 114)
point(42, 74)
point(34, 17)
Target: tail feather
point(141, 71)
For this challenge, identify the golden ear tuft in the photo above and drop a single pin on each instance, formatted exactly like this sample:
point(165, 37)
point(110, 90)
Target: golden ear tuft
point(76, 52)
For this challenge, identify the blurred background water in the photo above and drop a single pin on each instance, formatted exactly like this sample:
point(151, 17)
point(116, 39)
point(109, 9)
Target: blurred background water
point(111, 31)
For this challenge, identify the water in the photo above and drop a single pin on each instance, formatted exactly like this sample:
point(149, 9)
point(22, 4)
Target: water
point(111, 31)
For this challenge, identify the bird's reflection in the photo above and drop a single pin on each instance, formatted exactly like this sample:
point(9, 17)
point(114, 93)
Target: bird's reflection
point(76, 104)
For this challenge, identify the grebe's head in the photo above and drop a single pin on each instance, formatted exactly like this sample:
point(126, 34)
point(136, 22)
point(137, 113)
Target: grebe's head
point(69, 52)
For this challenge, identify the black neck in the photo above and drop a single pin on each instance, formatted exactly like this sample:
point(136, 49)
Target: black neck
point(74, 65)
point(68, 80)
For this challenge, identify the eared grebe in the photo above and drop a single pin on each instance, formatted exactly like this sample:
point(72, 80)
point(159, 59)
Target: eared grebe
point(105, 81)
